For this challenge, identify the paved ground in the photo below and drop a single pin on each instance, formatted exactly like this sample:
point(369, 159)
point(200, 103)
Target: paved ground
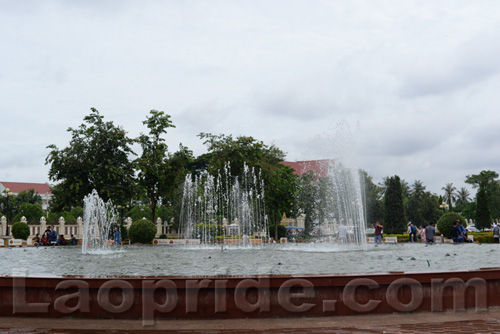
point(424, 322)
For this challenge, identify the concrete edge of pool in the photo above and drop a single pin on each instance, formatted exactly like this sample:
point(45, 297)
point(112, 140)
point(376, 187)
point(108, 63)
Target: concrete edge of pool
point(257, 296)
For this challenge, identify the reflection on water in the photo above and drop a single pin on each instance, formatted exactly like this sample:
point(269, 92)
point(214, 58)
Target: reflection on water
point(267, 259)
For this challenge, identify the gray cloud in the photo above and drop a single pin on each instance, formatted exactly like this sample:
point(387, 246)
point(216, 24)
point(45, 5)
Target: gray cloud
point(421, 79)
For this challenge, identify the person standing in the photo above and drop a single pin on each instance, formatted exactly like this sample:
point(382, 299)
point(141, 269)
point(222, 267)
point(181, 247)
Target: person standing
point(430, 232)
point(378, 232)
point(412, 231)
point(117, 237)
point(496, 234)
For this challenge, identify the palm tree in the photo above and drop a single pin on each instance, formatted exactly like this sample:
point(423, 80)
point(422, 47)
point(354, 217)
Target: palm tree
point(463, 196)
point(450, 194)
point(417, 189)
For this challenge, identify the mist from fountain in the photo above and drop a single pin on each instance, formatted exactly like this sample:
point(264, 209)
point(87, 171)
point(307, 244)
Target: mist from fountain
point(342, 202)
point(98, 218)
point(226, 208)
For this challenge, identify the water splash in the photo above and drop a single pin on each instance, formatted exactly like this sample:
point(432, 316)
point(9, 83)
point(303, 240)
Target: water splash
point(224, 208)
point(98, 218)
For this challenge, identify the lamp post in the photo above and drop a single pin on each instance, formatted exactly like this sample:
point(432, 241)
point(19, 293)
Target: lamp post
point(444, 206)
point(8, 194)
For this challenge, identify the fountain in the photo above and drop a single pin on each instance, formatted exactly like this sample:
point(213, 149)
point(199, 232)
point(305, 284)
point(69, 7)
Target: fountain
point(224, 209)
point(98, 218)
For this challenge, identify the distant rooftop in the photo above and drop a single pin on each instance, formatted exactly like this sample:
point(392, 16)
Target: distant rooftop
point(17, 187)
point(319, 167)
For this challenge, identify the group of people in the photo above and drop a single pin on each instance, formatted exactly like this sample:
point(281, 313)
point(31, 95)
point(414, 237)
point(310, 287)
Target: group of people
point(459, 232)
point(51, 238)
point(422, 233)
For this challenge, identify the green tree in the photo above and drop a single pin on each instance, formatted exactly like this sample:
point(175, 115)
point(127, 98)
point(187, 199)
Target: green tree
point(282, 198)
point(463, 198)
point(394, 221)
point(152, 164)
point(32, 212)
point(415, 205)
point(138, 212)
point(179, 164)
point(234, 154)
point(483, 219)
point(487, 180)
point(449, 195)
point(307, 198)
point(372, 197)
point(97, 157)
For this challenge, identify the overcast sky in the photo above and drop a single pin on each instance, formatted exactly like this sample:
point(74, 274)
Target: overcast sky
point(419, 80)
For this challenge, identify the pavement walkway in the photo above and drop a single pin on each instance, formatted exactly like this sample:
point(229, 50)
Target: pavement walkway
point(422, 322)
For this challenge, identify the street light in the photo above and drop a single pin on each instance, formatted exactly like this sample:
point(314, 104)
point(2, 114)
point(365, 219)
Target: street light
point(444, 206)
point(8, 194)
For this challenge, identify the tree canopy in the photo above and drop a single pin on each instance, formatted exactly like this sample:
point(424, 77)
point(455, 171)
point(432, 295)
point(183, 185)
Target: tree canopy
point(97, 157)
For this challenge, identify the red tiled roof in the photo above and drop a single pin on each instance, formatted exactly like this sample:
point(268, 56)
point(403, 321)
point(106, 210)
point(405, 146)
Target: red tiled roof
point(319, 167)
point(17, 187)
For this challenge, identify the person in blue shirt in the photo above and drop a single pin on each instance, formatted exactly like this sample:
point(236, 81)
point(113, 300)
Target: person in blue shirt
point(117, 237)
point(462, 232)
point(52, 235)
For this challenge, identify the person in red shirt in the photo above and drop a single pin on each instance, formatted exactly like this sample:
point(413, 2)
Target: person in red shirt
point(378, 232)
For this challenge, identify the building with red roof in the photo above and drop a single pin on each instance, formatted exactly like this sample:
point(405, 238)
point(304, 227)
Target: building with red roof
point(42, 189)
point(319, 167)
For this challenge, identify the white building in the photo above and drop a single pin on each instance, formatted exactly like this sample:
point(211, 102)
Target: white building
point(42, 189)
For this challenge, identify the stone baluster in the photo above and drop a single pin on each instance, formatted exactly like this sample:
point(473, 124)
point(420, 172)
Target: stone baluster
point(62, 224)
point(43, 225)
point(3, 221)
point(159, 224)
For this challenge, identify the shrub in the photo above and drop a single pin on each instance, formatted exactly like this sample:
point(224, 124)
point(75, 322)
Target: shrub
point(20, 231)
point(484, 239)
point(163, 236)
point(281, 232)
point(142, 231)
point(445, 223)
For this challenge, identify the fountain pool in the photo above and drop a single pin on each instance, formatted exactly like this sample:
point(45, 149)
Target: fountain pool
point(279, 259)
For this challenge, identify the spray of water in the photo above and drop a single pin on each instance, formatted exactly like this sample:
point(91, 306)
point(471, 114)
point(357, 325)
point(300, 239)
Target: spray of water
point(224, 207)
point(98, 218)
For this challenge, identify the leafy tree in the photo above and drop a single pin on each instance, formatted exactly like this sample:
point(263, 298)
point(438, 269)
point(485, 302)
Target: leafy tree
point(282, 198)
point(449, 195)
point(415, 205)
point(240, 151)
point(138, 212)
point(394, 221)
point(179, 164)
point(152, 164)
point(372, 199)
point(487, 180)
point(307, 195)
point(483, 180)
point(32, 212)
point(97, 157)
point(483, 219)
point(234, 154)
point(469, 210)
